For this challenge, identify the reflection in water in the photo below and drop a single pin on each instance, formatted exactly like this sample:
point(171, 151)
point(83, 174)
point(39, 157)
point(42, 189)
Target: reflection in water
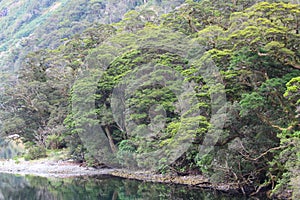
point(104, 187)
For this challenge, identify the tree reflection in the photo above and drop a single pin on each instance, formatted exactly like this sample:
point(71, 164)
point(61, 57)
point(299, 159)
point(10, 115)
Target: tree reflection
point(99, 187)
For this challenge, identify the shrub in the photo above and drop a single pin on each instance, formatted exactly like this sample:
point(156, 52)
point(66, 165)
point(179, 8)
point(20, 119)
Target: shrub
point(35, 153)
point(54, 141)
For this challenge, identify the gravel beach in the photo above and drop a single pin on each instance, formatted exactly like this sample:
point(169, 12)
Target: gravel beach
point(49, 168)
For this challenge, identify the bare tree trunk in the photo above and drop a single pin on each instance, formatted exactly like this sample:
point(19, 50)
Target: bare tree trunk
point(110, 139)
point(115, 196)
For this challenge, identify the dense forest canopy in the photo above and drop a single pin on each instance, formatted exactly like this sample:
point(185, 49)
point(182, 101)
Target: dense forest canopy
point(194, 87)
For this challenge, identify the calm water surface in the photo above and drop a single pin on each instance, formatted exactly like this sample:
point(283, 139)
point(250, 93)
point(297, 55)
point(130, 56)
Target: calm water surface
point(107, 188)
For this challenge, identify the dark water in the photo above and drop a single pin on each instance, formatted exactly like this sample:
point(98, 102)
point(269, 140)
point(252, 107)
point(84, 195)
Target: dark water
point(107, 188)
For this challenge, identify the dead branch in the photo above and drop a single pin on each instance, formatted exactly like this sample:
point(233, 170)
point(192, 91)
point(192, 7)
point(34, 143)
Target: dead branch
point(265, 153)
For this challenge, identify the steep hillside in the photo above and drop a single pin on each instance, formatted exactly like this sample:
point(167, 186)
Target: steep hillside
point(29, 25)
point(19, 20)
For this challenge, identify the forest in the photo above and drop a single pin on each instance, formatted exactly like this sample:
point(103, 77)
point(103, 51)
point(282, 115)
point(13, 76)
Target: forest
point(207, 87)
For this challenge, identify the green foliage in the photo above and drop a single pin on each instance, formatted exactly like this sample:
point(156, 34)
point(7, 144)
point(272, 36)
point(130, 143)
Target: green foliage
point(35, 152)
point(293, 90)
point(251, 101)
point(54, 141)
point(114, 93)
point(286, 165)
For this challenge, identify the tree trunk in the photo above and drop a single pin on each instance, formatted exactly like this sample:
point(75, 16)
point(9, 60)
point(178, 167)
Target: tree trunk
point(115, 195)
point(110, 140)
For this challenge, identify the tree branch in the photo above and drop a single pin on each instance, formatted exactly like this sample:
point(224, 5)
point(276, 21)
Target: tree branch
point(265, 153)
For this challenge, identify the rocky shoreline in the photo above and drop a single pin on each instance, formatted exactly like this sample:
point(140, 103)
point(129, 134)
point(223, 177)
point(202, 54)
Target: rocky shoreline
point(190, 180)
point(65, 169)
point(49, 168)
